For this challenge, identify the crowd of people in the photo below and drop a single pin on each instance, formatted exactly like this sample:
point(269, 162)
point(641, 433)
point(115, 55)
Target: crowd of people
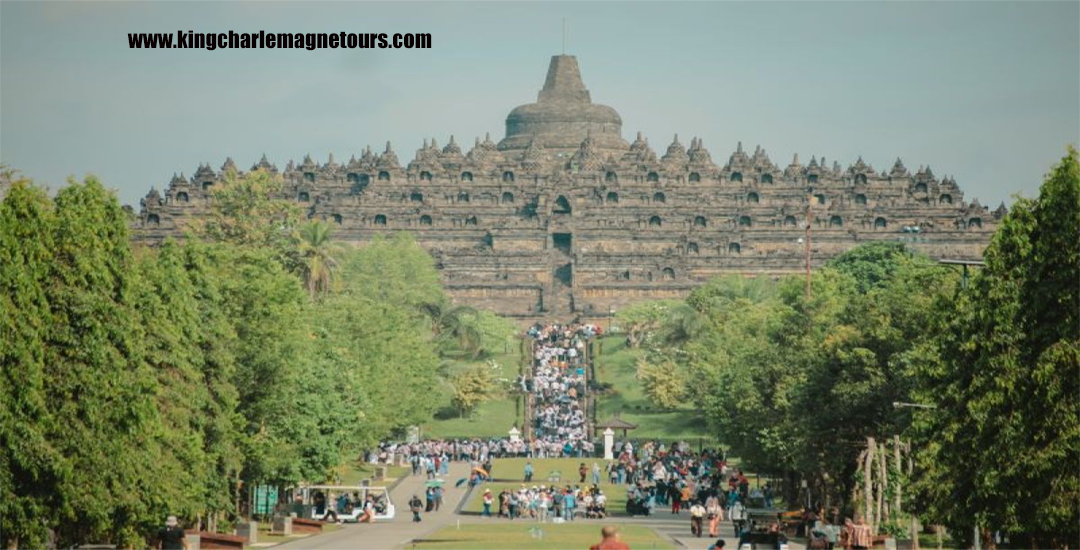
point(558, 386)
point(434, 455)
point(542, 503)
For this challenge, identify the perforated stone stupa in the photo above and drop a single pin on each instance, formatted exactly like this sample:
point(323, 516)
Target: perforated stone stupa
point(564, 217)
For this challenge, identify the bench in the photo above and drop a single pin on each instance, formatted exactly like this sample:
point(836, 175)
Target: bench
point(301, 525)
point(218, 541)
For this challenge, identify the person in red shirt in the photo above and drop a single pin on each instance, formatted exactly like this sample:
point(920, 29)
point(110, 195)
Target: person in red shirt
point(610, 541)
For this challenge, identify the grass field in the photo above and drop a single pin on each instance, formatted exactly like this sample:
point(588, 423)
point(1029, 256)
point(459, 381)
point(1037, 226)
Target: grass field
point(530, 536)
point(491, 419)
point(509, 473)
point(615, 365)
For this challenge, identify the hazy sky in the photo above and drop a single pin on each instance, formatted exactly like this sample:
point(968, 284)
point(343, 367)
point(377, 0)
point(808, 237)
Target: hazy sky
point(986, 92)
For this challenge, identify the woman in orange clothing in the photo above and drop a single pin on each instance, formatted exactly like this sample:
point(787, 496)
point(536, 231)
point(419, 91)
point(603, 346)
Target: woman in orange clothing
point(715, 513)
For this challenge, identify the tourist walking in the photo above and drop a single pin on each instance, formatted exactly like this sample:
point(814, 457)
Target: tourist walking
point(715, 514)
point(697, 516)
point(437, 494)
point(738, 516)
point(416, 506)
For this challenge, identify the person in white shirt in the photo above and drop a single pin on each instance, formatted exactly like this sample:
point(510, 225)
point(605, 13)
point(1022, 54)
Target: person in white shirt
point(697, 516)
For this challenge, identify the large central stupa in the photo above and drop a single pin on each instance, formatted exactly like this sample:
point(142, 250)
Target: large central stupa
point(563, 116)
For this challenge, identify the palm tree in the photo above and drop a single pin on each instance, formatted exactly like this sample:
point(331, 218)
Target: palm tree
point(457, 325)
point(318, 254)
point(682, 324)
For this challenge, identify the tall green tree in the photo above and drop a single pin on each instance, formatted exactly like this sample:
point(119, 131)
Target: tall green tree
point(394, 269)
point(215, 339)
point(1002, 447)
point(32, 468)
point(247, 211)
point(97, 385)
point(265, 304)
point(390, 363)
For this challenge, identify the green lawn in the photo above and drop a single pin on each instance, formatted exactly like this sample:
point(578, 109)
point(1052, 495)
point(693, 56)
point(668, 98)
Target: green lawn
point(491, 419)
point(615, 365)
point(530, 536)
point(509, 473)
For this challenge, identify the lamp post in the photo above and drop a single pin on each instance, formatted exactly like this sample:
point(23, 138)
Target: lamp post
point(914, 520)
point(809, 218)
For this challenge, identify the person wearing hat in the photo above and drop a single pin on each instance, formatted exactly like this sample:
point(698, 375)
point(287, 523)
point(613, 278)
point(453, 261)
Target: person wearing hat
point(172, 537)
point(488, 500)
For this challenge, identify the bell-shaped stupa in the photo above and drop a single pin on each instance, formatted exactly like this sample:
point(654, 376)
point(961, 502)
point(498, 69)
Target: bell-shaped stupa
point(564, 116)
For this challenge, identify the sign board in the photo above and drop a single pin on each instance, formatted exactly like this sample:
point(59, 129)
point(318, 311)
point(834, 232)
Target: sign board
point(266, 497)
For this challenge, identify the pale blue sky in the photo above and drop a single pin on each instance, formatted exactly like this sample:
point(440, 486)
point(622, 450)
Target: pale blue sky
point(986, 92)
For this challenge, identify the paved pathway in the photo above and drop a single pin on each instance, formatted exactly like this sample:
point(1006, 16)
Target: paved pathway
point(399, 531)
point(677, 527)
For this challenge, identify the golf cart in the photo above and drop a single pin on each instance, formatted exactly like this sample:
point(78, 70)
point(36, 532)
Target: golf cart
point(345, 503)
point(762, 530)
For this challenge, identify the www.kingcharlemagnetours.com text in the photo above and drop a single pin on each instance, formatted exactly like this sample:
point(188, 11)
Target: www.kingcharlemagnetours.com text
point(276, 40)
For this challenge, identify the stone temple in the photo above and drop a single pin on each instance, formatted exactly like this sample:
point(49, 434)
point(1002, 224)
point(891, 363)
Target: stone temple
point(564, 217)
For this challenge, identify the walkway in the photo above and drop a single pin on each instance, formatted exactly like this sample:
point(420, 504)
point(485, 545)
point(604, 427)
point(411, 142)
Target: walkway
point(677, 528)
point(398, 532)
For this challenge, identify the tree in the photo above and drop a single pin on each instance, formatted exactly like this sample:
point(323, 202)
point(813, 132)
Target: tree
point(664, 383)
point(640, 320)
point(215, 339)
point(454, 328)
point(467, 330)
point(472, 386)
point(1005, 384)
point(97, 385)
point(32, 469)
point(394, 270)
point(319, 256)
point(871, 264)
point(247, 212)
point(164, 298)
point(681, 323)
point(265, 304)
point(796, 386)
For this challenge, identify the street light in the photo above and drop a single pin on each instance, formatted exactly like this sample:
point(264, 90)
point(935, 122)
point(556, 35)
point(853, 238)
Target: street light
point(914, 520)
point(809, 218)
point(976, 542)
